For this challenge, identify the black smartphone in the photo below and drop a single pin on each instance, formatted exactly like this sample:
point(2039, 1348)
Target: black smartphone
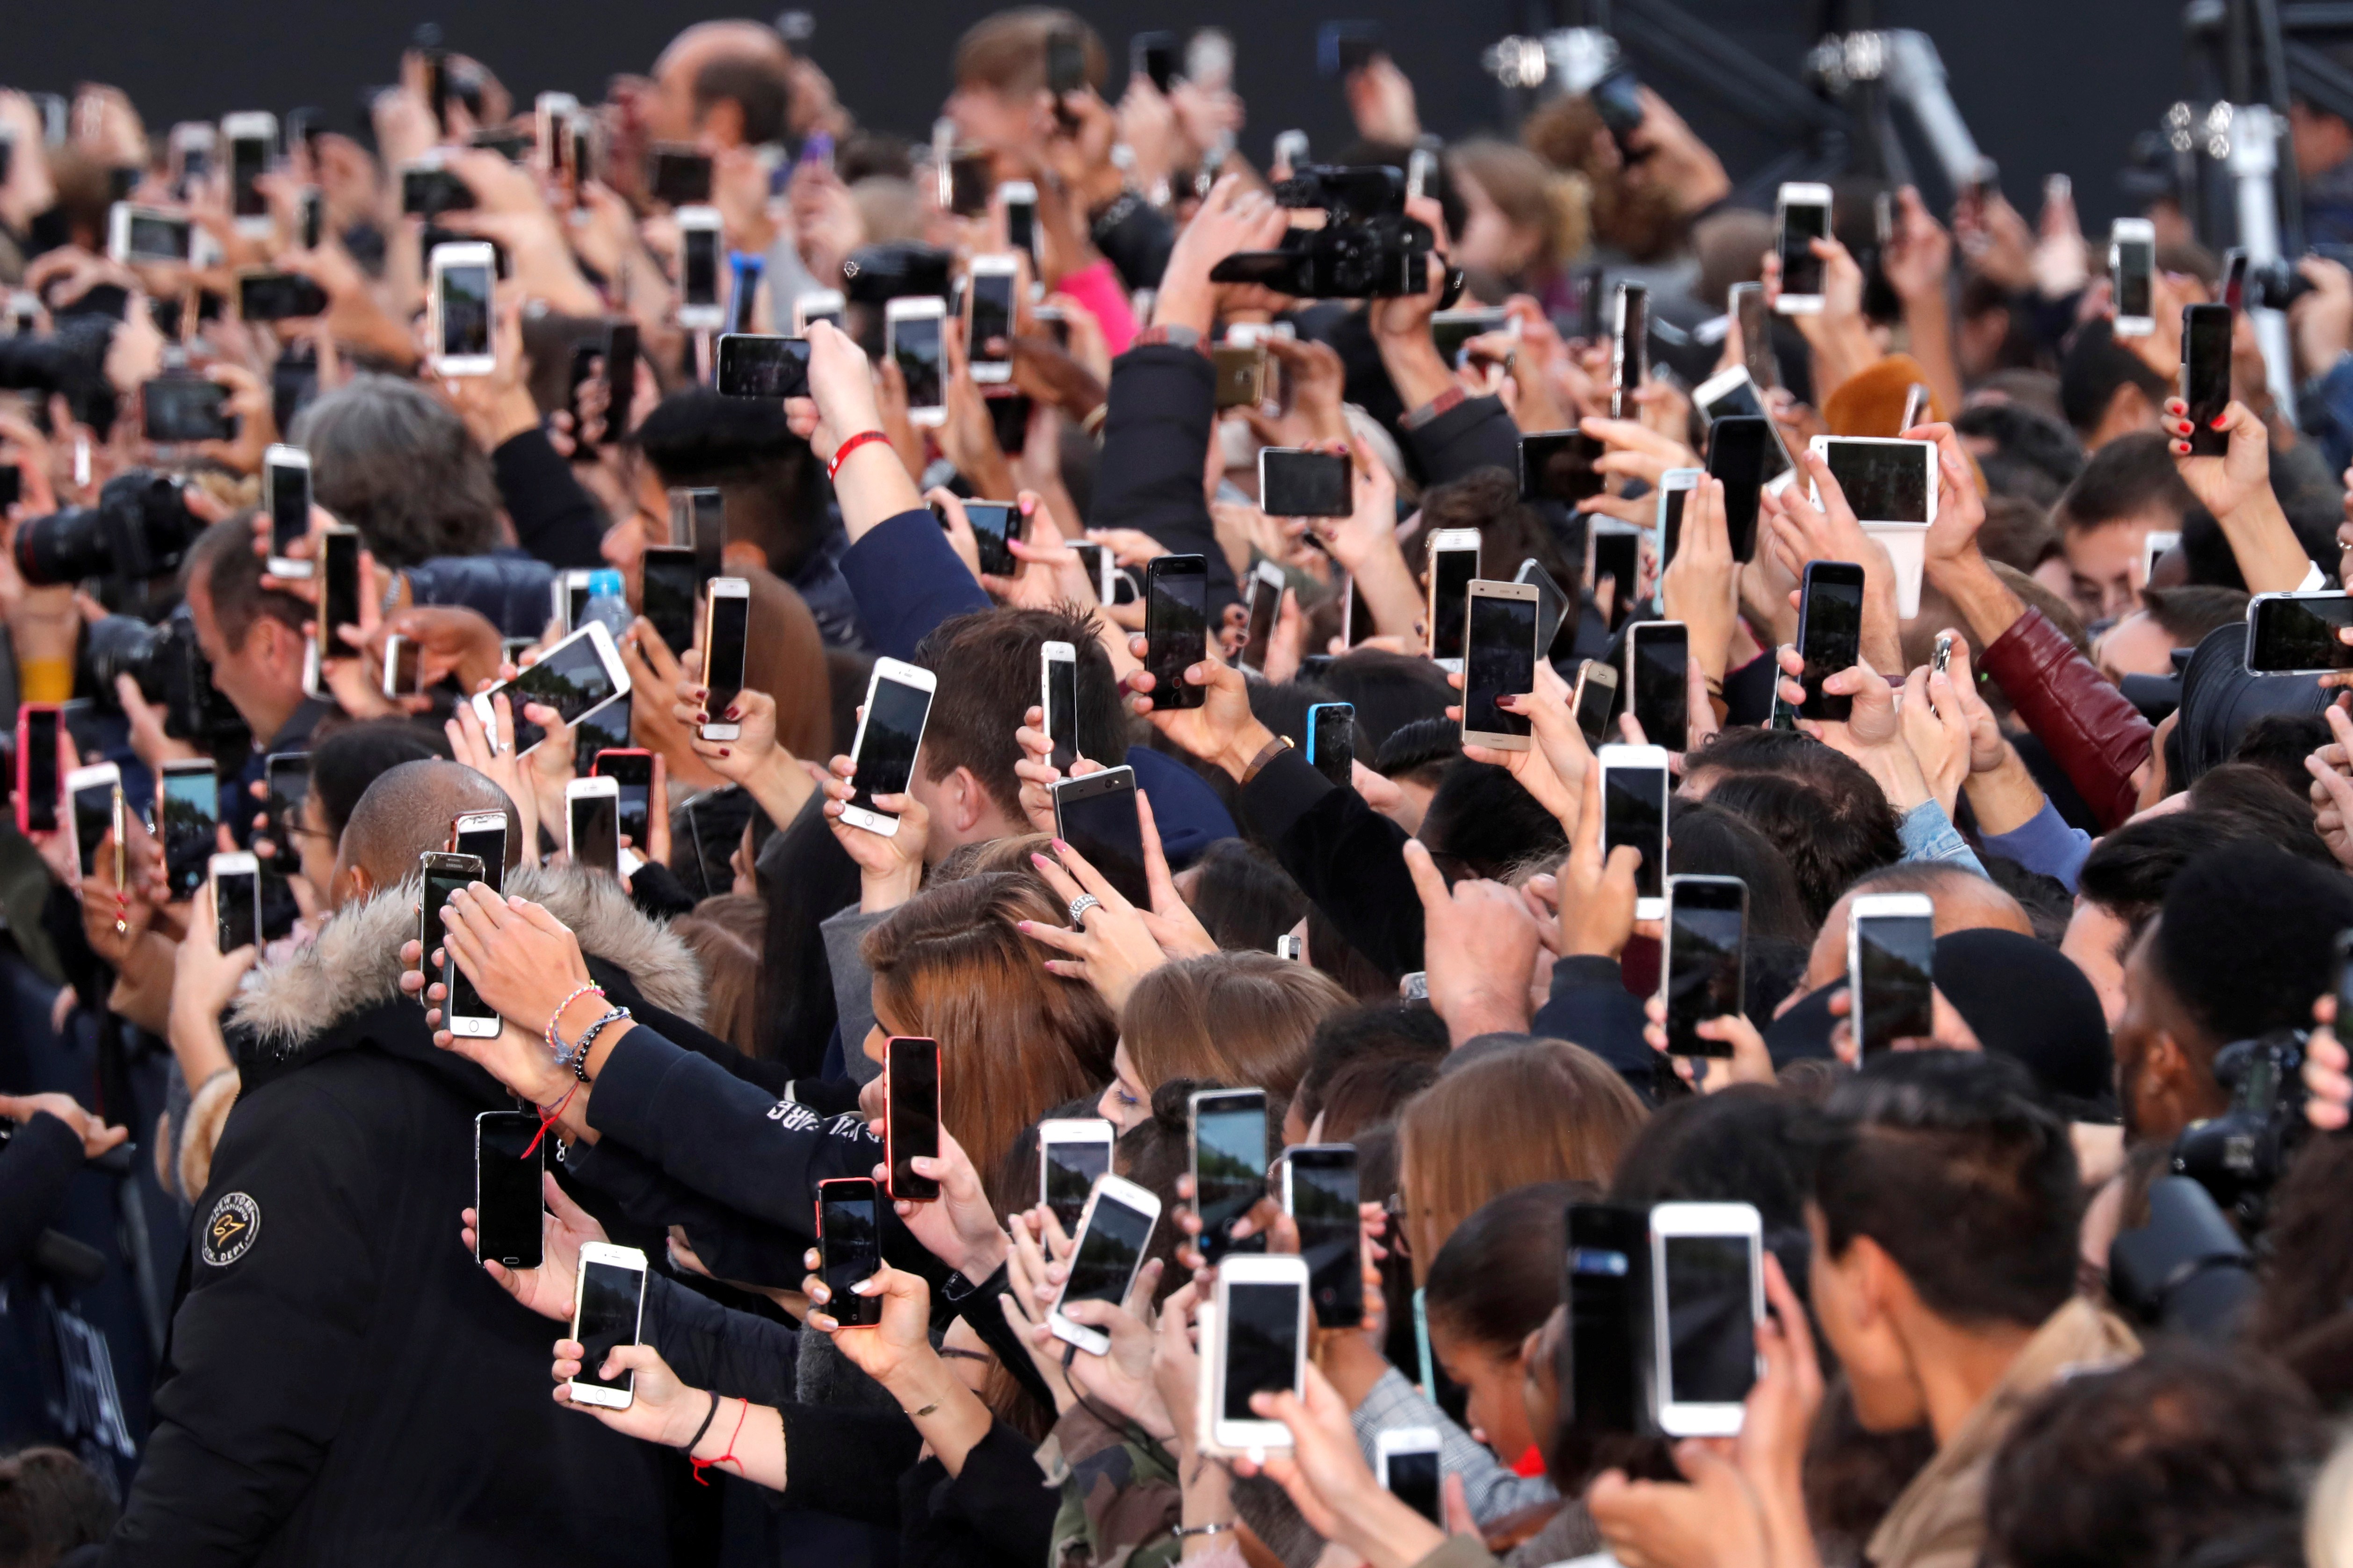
point(1332, 741)
point(339, 592)
point(37, 772)
point(1066, 63)
point(679, 176)
point(508, 1155)
point(671, 578)
point(190, 812)
point(1154, 56)
point(1229, 1166)
point(1634, 811)
point(633, 770)
point(992, 523)
point(1558, 465)
point(1704, 960)
point(1629, 359)
point(757, 364)
point(1607, 1289)
point(236, 905)
point(1319, 1189)
point(2296, 633)
point(1829, 634)
point(1176, 626)
point(185, 408)
point(1658, 660)
point(2206, 375)
point(93, 819)
point(1096, 816)
point(279, 296)
point(286, 776)
point(1617, 553)
point(1297, 483)
point(850, 1240)
point(1891, 969)
point(483, 835)
point(621, 377)
point(911, 1122)
point(442, 875)
point(1736, 449)
point(428, 190)
point(1596, 700)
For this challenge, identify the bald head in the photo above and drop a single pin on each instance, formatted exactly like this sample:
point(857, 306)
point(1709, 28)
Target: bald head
point(742, 69)
point(1964, 901)
point(407, 811)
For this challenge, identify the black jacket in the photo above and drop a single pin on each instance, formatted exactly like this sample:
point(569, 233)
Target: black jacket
point(1347, 857)
point(37, 1165)
point(1156, 436)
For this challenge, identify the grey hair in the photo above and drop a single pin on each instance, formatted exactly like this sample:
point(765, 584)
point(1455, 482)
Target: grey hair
point(395, 462)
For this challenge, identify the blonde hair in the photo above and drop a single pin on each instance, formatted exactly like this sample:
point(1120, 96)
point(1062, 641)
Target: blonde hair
point(1243, 1020)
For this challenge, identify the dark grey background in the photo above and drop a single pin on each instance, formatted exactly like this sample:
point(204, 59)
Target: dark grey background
point(2046, 85)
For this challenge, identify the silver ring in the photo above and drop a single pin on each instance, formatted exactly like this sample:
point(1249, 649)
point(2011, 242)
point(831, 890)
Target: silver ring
point(1079, 908)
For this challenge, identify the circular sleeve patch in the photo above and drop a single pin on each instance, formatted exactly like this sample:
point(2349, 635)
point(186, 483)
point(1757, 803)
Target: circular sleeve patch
point(235, 1225)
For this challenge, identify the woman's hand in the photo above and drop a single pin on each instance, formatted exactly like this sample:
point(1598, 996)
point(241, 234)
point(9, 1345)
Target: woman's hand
point(891, 866)
point(204, 978)
point(882, 1350)
point(1111, 946)
point(959, 1228)
point(662, 1409)
point(1121, 1378)
point(562, 1226)
point(523, 962)
point(492, 753)
point(1327, 1478)
point(1749, 1063)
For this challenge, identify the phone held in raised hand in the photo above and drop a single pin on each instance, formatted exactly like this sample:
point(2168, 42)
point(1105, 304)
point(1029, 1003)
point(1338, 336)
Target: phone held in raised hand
point(2206, 376)
point(267, 295)
point(482, 835)
point(1058, 701)
point(1331, 741)
point(631, 769)
point(592, 816)
point(1614, 550)
point(913, 340)
point(1228, 1161)
point(1595, 699)
point(989, 305)
point(1604, 1364)
point(1736, 455)
point(849, 1246)
point(761, 364)
point(1891, 487)
point(188, 822)
point(177, 407)
point(1266, 589)
point(1675, 487)
point(1499, 661)
point(1454, 563)
point(1890, 958)
point(90, 796)
point(1658, 667)
point(1097, 815)
point(699, 307)
point(1707, 1291)
point(1703, 966)
point(1320, 1193)
point(1629, 359)
point(2297, 634)
point(1294, 482)
point(286, 496)
point(39, 766)
point(1260, 1329)
point(237, 900)
point(2132, 273)
point(508, 1155)
point(911, 1118)
point(1733, 394)
point(1558, 466)
point(1803, 216)
point(582, 672)
point(889, 733)
point(1634, 787)
point(1829, 634)
point(1114, 1231)
point(1072, 1152)
point(459, 326)
point(993, 530)
point(608, 1308)
point(463, 1012)
point(726, 637)
point(1176, 627)
point(1406, 1463)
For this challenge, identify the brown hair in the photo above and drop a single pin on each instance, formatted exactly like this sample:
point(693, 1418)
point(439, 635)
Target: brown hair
point(1244, 1019)
point(1006, 52)
point(1543, 1112)
point(725, 933)
point(784, 657)
point(1644, 221)
point(1530, 194)
point(987, 664)
point(222, 558)
point(1015, 1041)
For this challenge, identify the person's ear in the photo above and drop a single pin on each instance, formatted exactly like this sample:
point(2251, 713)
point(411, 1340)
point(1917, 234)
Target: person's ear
point(723, 122)
point(967, 801)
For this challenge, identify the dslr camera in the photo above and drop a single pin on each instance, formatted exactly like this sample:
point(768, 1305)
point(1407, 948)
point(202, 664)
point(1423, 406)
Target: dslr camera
point(2237, 1156)
point(171, 671)
point(2276, 284)
point(1366, 248)
point(139, 531)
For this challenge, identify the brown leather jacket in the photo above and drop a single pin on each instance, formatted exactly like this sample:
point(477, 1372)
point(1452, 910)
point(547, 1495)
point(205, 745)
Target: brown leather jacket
point(2094, 733)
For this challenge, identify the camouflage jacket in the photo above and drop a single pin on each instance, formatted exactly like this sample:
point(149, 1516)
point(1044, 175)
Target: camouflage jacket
point(1121, 1500)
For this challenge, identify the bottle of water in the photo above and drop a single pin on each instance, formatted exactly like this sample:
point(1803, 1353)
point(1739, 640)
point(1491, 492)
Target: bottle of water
point(606, 604)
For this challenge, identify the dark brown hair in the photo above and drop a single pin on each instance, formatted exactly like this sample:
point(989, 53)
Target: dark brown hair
point(988, 666)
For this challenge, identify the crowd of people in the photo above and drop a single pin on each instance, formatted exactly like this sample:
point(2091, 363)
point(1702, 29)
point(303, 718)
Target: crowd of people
point(2063, 1281)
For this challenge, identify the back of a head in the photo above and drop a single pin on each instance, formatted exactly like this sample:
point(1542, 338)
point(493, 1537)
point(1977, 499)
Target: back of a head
point(1705, 840)
point(1243, 897)
point(1826, 816)
point(1486, 820)
point(51, 1504)
point(1371, 1032)
point(1388, 690)
point(2129, 870)
point(2095, 367)
point(725, 934)
point(742, 447)
point(2248, 938)
point(1247, 1019)
point(2131, 477)
point(347, 760)
point(1964, 901)
point(2024, 438)
point(1542, 1111)
point(1006, 52)
point(222, 558)
point(394, 462)
point(1511, 530)
point(407, 811)
point(2145, 1464)
point(2030, 1002)
point(2276, 745)
point(1948, 1162)
point(760, 86)
point(1736, 1146)
point(987, 666)
point(1420, 749)
point(1497, 1278)
point(2188, 613)
point(2256, 801)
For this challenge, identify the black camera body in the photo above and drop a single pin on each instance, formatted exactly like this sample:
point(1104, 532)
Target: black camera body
point(2237, 1156)
point(139, 529)
point(890, 269)
point(2276, 284)
point(170, 670)
point(1366, 248)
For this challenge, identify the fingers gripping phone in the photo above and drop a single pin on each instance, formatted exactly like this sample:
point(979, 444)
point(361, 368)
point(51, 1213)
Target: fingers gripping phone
point(592, 814)
point(1891, 955)
point(1829, 634)
point(1260, 1329)
point(1228, 1149)
point(1405, 1462)
point(1176, 627)
point(1097, 815)
point(189, 813)
point(1113, 1230)
point(1500, 660)
point(237, 900)
point(631, 769)
point(1072, 1154)
point(608, 1308)
point(507, 1159)
point(2206, 376)
point(1803, 217)
point(463, 1012)
point(1634, 787)
point(582, 672)
point(1703, 964)
point(1057, 700)
point(850, 1246)
point(889, 733)
point(911, 1121)
point(483, 835)
point(38, 766)
point(1320, 1193)
point(726, 636)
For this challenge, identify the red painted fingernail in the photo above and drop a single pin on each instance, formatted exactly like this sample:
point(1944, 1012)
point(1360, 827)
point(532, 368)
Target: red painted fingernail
point(724, 751)
point(731, 714)
point(2219, 419)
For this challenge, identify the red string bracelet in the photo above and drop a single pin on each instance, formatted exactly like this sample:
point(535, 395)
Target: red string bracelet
point(833, 469)
point(547, 1119)
point(728, 1456)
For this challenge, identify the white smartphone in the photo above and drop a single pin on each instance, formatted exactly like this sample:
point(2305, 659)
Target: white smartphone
point(1454, 562)
point(1073, 1152)
point(1884, 479)
point(483, 835)
point(1500, 660)
point(401, 672)
point(252, 140)
point(988, 313)
point(1891, 960)
point(1057, 700)
point(1634, 788)
point(582, 672)
point(699, 306)
point(817, 305)
point(458, 310)
point(726, 636)
point(237, 900)
point(551, 117)
point(1265, 596)
point(1114, 1231)
point(191, 146)
point(889, 733)
point(2153, 546)
point(592, 822)
point(1675, 487)
point(2132, 272)
point(147, 234)
point(913, 340)
point(286, 496)
point(1405, 1462)
point(1802, 215)
point(609, 1300)
point(1261, 1333)
point(1290, 149)
point(568, 591)
point(1708, 1295)
point(1291, 948)
point(90, 794)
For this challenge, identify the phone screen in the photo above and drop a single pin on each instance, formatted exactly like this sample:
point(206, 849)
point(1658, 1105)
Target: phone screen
point(1829, 634)
point(465, 310)
point(609, 1299)
point(1332, 744)
point(279, 296)
point(752, 365)
point(992, 315)
point(596, 832)
point(851, 1235)
point(1450, 576)
point(1109, 1252)
point(1736, 458)
point(731, 620)
point(1063, 710)
point(1176, 626)
point(1671, 520)
point(1617, 556)
point(1099, 820)
point(1229, 1164)
point(489, 844)
point(1307, 484)
point(2206, 375)
point(1021, 224)
point(992, 525)
point(249, 156)
point(1261, 1330)
point(237, 906)
point(1258, 636)
point(914, 1115)
point(1705, 932)
point(441, 880)
point(1071, 1166)
point(507, 1164)
point(1628, 350)
point(1897, 955)
point(1634, 811)
point(157, 236)
point(339, 592)
point(183, 408)
point(1595, 698)
point(1414, 1481)
point(289, 776)
point(916, 345)
point(635, 775)
point(670, 580)
point(2299, 632)
point(1802, 223)
point(41, 770)
point(1323, 1206)
point(290, 505)
point(1711, 1320)
point(1558, 465)
point(1501, 662)
point(699, 270)
point(191, 808)
point(570, 679)
point(2135, 277)
point(1888, 481)
point(886, 746)
point(1740, 401)
point(1604, 1241)
point(1661, 699)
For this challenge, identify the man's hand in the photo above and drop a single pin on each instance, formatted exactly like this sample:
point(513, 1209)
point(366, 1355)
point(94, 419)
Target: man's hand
point(1222, 730)
point(1236, 216)
point(2322, 319)
point(1479, 950)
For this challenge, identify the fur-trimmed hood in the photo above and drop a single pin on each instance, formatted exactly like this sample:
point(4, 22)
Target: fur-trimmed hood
point(353, 964)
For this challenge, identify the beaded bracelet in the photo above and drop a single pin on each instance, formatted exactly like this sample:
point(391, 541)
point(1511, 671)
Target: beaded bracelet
point(589, 1037)
point(554, 1042)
